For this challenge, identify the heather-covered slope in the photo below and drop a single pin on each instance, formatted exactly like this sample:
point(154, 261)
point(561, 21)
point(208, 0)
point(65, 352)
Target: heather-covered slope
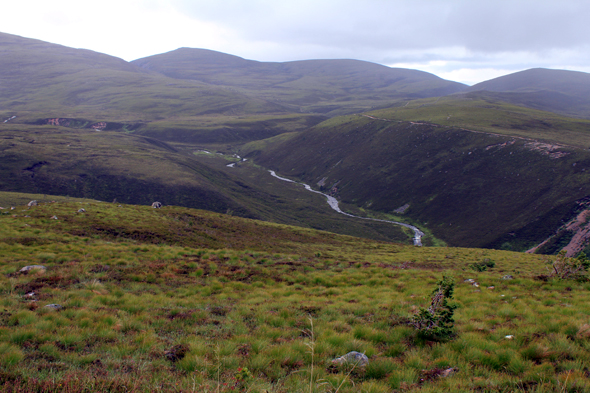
point(470, 188)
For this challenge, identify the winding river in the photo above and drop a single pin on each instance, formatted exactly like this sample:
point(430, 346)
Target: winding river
point(334, 205)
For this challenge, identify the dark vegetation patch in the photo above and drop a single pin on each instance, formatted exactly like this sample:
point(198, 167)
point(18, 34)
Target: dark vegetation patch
point(46, 282)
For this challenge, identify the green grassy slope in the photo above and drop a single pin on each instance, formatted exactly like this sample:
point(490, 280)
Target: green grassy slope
point(469, 188)
point(324, 86)
point(149, 301)
point(561, 91)
point(483, 111)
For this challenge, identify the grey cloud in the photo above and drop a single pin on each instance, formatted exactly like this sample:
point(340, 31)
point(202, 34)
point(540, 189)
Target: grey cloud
point(464, 34)
point(487, 26)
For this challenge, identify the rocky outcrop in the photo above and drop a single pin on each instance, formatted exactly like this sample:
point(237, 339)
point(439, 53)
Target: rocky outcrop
point(101, 125)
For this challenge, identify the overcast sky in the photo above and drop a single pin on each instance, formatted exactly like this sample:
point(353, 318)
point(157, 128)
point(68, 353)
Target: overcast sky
point(467, 41)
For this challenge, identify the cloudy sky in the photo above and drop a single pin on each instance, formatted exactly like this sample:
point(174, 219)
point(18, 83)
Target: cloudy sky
point(462, 40)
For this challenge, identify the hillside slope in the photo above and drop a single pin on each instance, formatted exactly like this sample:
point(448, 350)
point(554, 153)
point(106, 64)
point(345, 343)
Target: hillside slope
point(116, 298)
point(469, 188)
point(110, 166)
point(324, 86)
point(560, 91)
point(106, 166)
point(58, 81)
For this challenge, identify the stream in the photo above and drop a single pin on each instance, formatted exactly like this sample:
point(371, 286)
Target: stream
point(334, 205)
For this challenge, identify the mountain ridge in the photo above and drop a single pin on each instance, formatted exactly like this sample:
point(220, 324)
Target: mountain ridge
point(311, 85)
point(561, 91)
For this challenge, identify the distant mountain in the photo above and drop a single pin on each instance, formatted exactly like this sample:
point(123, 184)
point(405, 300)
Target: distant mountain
point(59, 81)
point(560, 91)
point(324, 86)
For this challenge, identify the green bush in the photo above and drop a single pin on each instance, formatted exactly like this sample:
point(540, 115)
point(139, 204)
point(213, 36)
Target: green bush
point(483, 265)
point(436, 322)
point(571, 268)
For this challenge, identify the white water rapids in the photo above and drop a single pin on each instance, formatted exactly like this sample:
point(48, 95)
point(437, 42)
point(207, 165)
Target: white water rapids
point(334, 205)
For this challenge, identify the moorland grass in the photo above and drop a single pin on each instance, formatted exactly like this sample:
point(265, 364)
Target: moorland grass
point(136, 317)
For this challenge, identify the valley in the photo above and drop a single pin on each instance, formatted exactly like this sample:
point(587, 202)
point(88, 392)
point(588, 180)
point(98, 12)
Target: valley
point(292, 198)
point(333, 202)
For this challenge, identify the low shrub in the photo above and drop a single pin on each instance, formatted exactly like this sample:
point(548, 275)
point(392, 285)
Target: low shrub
point(436, 322)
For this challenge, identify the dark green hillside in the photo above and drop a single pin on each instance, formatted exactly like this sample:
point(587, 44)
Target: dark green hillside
point(55, 81)
point(469, 188)
point(561, 91)
point(134, 169)
point(106, 166)
point(321, 86)
point(226, 129)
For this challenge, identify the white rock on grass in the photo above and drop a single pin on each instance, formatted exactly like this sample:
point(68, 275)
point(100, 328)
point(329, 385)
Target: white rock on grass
point(32, 267)
point(355, 358)
point(54, 306)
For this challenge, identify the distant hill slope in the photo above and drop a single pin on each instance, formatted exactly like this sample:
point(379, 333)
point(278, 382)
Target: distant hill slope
point(484, 111)
point(470, 188)
point(108, 166)
point(324, 86)
point(561, 91)
point(59, 81)
point(133, 169)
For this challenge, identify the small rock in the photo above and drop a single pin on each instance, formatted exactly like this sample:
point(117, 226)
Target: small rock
point(81, 210)
point(448, 372)
point(507, 277)
point(54, 306)
point(492, 287)
point(509, 337)
point(32, 267)
point(469, 280)
point(583, 332)
point(156, 205)
point(32, 203)
point(30, 294)
point(12, 207)
point(354, 358)
point(475, 284)
point(54, 218)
